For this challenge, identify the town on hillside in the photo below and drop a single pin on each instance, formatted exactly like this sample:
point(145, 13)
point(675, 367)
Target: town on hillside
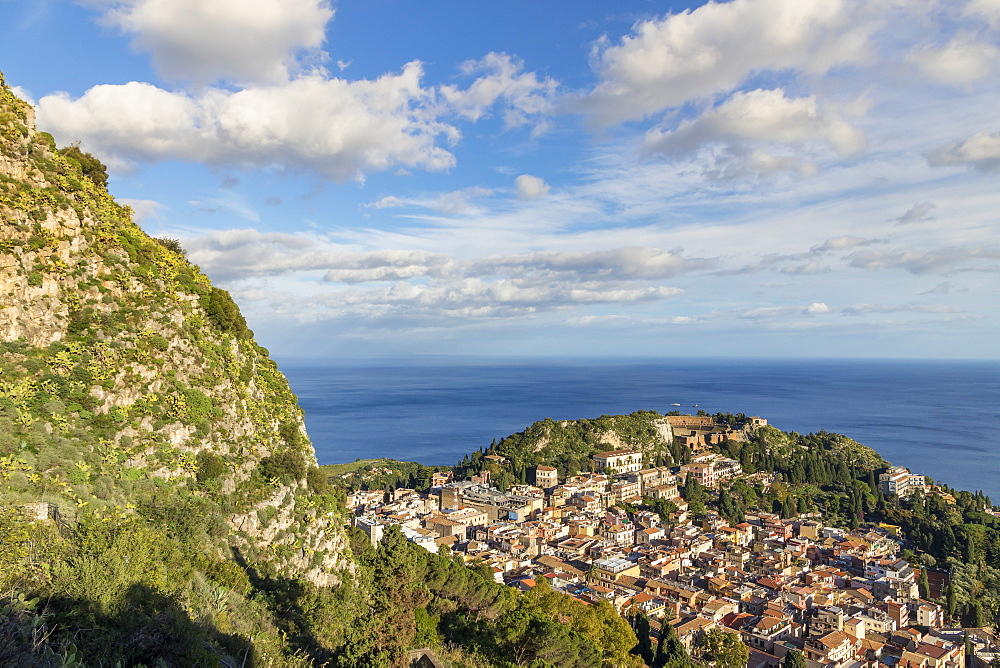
point(836, 597)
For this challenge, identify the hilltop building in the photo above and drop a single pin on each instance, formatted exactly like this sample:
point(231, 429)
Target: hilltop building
point(622, 461)
point(898, 481)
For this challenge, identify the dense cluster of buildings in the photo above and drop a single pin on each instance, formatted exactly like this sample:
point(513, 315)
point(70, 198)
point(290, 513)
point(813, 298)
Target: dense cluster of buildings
point(842, 598)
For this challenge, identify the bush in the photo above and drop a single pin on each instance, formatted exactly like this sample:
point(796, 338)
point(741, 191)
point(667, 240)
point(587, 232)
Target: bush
point(285, 467)
point(210, 467)
point(223, 311)
point(171, 245)
point(89, 166)
point(318, 481)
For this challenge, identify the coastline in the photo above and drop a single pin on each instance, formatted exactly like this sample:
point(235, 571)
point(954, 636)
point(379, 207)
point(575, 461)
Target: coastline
point(914, 413)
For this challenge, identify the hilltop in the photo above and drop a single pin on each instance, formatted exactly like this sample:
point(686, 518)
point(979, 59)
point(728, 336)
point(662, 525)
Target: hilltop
point(138, 412)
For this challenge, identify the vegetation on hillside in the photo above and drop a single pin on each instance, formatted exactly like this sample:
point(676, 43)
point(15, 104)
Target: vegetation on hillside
point(569, 445)
point(366, 474)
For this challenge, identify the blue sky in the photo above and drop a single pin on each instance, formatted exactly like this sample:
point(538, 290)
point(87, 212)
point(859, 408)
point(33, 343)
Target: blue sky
point(754, 178)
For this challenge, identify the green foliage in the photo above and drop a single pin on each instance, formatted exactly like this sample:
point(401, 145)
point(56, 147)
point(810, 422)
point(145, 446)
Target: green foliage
point(223, 312)
point(569, 445)
point(211, 467)
point(724, 649)
point(88, 165)
point(286, 466)
point(172, 245)
point(794, 659)
point(317, 481)
point(381, 474)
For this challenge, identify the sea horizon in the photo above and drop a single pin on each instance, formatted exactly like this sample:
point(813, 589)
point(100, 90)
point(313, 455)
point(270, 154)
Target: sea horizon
point(435, 409)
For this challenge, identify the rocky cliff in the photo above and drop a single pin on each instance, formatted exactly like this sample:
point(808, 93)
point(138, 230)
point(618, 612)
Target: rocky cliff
point(127, 378)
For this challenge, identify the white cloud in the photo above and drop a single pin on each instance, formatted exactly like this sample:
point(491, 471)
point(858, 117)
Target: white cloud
point(989, 10)
point(386, 265)
point(24, 94)
point(389, 202)
point(808, 269)
point(714, 48)
point(911, 307)
point(961, 61)
point(760, 115)
point(338, 128)
point(144, 210)
point(522, 96)
point(236, 40)
point(981, 150)
point(457, 202)
point(236, 254)
point(918, 213)
point(944, 288)
point(618, 263)
point(816, 308)
point(427, 286)
point(531, 187)
point(939, 260)
point(843, 243)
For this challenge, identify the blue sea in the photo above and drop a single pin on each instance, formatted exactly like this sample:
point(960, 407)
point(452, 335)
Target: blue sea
point(940, 418)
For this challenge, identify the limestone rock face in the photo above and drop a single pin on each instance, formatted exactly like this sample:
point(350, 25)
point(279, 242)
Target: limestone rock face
point(118, 354)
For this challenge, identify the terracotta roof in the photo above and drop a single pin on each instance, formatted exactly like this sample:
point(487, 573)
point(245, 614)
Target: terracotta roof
point(833, 639)
point(932, 651)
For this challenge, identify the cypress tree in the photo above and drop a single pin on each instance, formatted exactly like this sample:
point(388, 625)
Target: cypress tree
point(923, 584)
point(645, 647)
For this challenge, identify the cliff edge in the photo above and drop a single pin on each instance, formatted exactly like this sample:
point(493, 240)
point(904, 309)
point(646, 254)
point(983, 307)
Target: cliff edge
point(128, 383)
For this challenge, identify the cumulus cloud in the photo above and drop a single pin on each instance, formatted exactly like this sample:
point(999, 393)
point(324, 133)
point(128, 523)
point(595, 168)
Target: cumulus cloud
point(522, 96)
point(816, 308)
point(420, 285)
point(981, 150)
point(961, 61)
point(236, 40)
point(759, 116)
point(236, 254)
point(385, 265)
point(918, 213)
point(336, 127)
point(531, 187)
point(698, 53)
point(443, 302)
point(939, 260)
